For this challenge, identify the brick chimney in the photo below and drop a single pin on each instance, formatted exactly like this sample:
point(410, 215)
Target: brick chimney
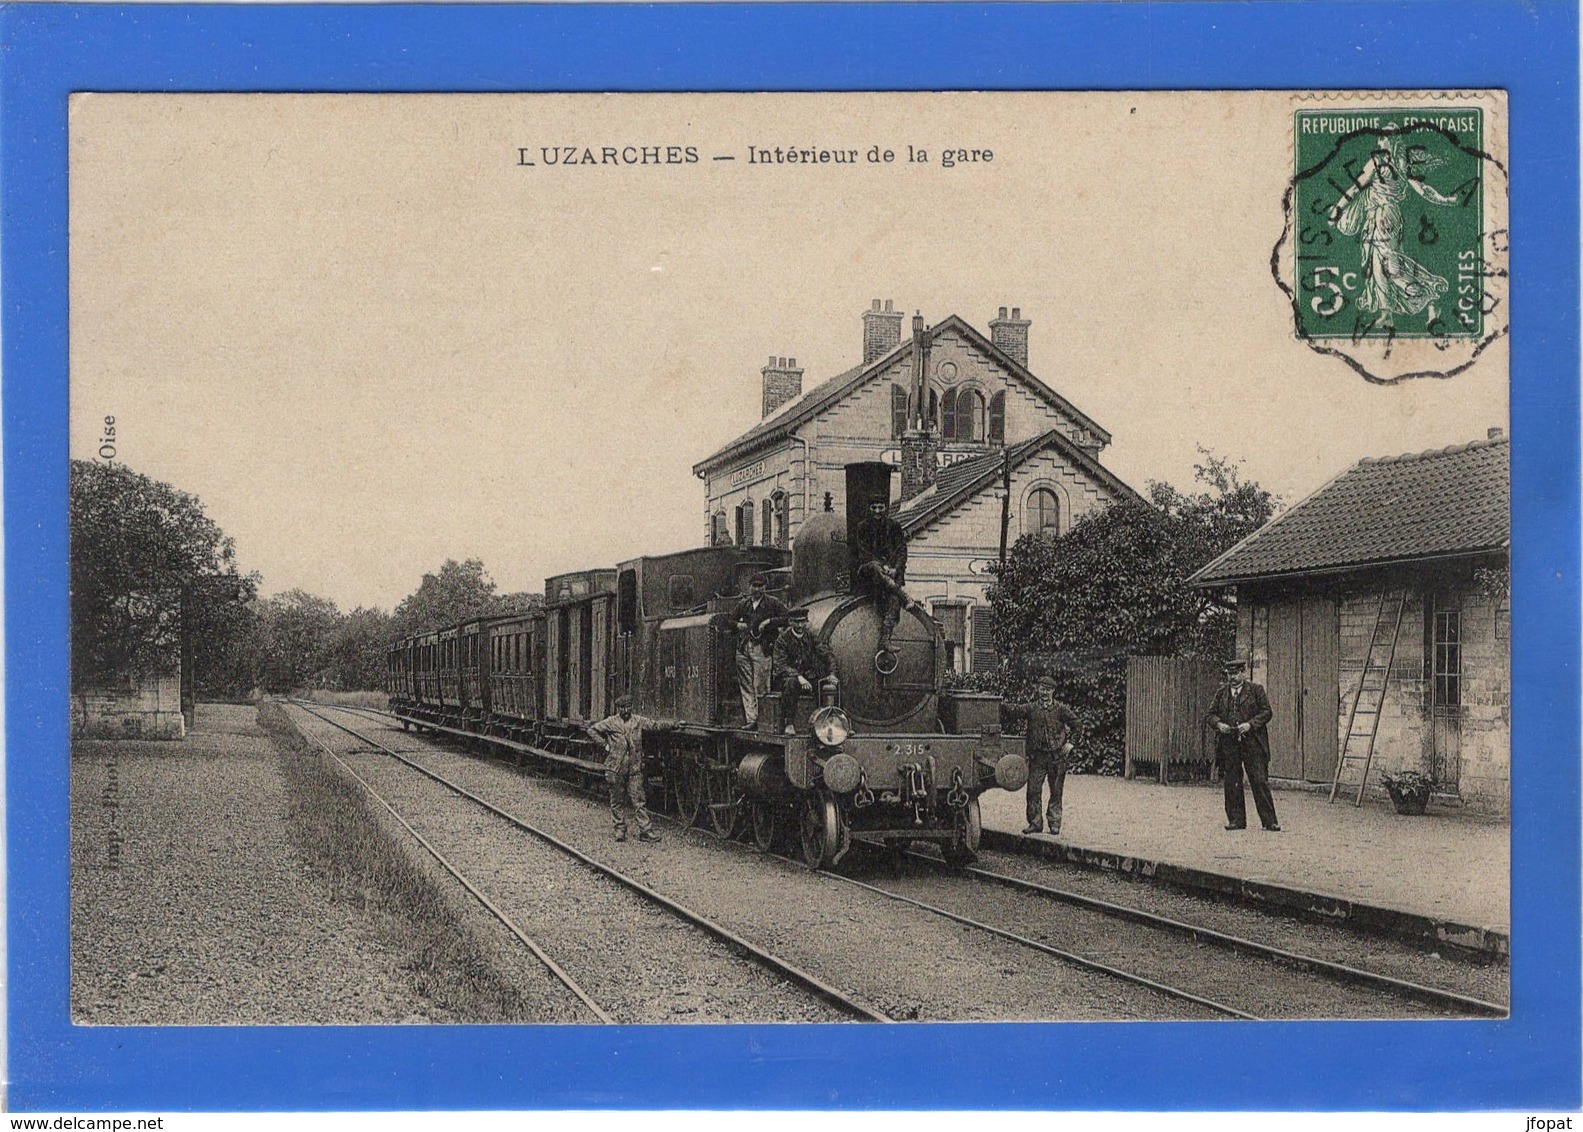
point(919, 445)
point(782, 383)
point(1011, 334)
point(881, 331)
point(919, 463)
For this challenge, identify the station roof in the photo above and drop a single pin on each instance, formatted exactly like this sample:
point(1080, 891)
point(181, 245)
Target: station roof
point(1442, 503)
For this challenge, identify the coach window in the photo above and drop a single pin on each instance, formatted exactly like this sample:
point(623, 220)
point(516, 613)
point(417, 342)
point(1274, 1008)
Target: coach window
point(1042, 513)
point(627, 602)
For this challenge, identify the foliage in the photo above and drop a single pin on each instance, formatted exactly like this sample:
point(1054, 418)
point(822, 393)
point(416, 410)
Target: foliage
point(459, 590)
point(297, 630)
point(1115, 586)
point(148, 566)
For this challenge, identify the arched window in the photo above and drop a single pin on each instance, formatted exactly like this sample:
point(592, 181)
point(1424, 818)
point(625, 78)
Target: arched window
point(1042, 514)
point(948, 416)
point(970, 415)
point(782, 519)
point(721, 535)
point(745, 517)
point(898, 411)
point(997, 418)
point(767, 527)
point(934, 409)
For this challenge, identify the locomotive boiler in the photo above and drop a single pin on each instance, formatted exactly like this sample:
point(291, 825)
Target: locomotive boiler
point(883, 753)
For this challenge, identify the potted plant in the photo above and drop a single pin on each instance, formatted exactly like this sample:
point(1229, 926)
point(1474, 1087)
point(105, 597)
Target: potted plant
point(1409, 790)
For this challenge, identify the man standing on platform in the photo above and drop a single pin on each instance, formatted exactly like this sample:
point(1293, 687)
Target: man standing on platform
point(1240, 716)
point(758, 618)
point(1049, 745)
point(622, 737)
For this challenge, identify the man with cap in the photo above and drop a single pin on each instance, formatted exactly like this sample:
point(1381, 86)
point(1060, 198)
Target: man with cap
point(800, 661)
point(879, 547)
point(1240, 716)
point(1049, 745)
point(621, 735)
point(758, 618)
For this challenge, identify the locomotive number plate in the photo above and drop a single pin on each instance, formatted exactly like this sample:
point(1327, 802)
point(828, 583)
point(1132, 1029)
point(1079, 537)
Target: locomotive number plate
point(906, 749)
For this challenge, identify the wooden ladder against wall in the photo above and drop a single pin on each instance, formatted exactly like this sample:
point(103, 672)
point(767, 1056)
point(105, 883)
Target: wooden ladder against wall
point(1368, 702)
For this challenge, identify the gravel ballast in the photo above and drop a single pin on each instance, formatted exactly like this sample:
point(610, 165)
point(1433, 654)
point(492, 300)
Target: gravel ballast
point(189, 903)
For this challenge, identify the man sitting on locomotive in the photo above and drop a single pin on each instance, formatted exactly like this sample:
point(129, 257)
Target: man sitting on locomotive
point(800, 661)
point(621, 735)
point(1049, 743)
point(880, 547)
point(758, 618)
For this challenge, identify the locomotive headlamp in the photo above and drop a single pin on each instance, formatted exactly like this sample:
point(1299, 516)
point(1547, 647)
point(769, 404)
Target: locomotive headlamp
point(830, 726)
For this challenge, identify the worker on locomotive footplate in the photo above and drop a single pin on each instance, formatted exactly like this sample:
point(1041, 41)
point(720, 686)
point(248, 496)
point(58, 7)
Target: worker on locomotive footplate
point(758, 618)
point(880, 548)
point(1049, 744)
point(622, 737)
point(1240, 716)
point(800, 661)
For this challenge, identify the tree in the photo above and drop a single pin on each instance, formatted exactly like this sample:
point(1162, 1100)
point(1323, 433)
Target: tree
point(148, 567)
point(298, 629)
point(357, 650)
point(459, 591)
point(1115, 586)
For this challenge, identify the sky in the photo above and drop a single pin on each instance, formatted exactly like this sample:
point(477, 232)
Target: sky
point(371, 338)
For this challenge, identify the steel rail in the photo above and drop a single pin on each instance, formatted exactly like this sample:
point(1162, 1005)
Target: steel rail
point(1066, 956)
point(1433, 996)
point(1341, 972)
point(553, 967)
point(785, 969)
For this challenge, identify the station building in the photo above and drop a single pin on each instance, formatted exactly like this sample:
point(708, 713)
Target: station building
point(959, 414)
point(1377, 614)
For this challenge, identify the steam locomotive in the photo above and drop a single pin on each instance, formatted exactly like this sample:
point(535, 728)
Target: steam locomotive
point(887, 754)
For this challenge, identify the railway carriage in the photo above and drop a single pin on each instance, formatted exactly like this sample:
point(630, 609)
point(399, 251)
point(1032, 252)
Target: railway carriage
point(883, 753)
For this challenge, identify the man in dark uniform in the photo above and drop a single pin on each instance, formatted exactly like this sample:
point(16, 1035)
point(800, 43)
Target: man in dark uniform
point(1240, 716)
point(1049, 745)
point(800, 661)
point(880, 550)
point(758, 618)
point(622, 737)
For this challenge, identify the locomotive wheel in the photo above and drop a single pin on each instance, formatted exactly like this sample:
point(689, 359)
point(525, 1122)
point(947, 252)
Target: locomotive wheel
point(689, 789)
point(970, 829)
point(821, 830)
point(765, 824)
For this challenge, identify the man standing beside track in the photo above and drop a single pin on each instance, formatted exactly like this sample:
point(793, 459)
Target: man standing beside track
point(1049, 744)
point(622, 737)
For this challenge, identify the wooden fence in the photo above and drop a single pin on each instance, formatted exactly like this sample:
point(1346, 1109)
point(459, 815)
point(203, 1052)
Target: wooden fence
point(1167, 699)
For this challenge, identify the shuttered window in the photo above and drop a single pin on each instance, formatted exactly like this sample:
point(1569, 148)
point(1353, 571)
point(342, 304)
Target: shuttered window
point(898, 410)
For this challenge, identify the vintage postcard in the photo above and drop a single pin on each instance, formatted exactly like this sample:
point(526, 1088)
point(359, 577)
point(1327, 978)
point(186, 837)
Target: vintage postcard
point(789, 558)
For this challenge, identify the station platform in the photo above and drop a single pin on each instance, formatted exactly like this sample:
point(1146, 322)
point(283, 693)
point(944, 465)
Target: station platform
point(1443, 877)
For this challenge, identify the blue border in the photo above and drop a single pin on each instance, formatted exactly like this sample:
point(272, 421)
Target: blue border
point(1531, 1061)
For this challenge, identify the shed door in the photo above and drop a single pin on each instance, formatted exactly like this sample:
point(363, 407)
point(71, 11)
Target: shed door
point(1304, 687)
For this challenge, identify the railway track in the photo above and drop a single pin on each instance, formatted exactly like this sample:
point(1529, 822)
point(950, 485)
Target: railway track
point(1147, 932)
point(781, 969)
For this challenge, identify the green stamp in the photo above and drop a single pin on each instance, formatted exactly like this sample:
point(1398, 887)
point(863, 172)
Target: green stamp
point(1388, 227)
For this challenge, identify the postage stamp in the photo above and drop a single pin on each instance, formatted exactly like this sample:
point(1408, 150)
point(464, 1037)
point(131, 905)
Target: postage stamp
point(1394, 248)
